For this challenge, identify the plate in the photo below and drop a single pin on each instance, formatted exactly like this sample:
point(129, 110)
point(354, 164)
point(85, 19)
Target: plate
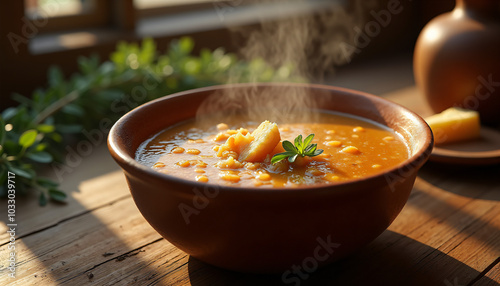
point(482, 151)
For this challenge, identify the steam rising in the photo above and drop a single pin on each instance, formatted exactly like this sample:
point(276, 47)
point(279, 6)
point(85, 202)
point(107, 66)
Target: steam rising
point(302, 46)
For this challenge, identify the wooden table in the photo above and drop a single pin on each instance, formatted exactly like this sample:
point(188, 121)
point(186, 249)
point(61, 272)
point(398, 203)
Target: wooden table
point(447, 234)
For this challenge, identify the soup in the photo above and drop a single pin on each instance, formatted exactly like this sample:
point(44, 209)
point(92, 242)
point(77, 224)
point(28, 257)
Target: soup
point(239, 153)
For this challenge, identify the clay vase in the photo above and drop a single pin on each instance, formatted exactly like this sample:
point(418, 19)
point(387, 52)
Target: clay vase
point(457, 59)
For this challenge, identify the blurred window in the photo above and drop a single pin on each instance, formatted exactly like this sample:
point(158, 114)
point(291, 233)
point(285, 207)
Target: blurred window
point(54, 8)
point(147, 8)
point(148, 4)
point(61, 15)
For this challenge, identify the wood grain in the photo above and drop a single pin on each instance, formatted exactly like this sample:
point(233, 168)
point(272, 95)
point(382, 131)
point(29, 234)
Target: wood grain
point(72, 247)
point(90, 195)
point(93, 183)
point(491, 278)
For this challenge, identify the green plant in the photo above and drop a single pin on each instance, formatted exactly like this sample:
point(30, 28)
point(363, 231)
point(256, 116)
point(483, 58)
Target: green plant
point(301, 148)
point(35, 132)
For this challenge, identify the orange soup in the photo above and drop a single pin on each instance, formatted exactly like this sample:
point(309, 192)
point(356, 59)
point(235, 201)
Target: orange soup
point(240, 153)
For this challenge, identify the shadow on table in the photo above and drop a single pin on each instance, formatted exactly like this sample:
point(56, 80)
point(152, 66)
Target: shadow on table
point(392, 259)
point(473, 180)
point(69, 243)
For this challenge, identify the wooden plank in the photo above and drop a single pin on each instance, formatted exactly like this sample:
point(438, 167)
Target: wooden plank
point(492, 278)
point(158, 262)
point(74, 246)
point(477, 244)
point(90, 185)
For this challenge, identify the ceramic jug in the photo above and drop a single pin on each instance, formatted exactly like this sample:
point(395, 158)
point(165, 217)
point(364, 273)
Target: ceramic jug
point(457, 59)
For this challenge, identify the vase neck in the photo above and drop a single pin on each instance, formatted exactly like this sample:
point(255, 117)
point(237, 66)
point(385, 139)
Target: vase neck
point(479, 7)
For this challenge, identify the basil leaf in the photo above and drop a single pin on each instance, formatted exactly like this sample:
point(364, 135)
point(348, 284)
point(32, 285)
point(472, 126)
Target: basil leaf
point(298, 143)
point(311, 148)
point(288, 146)
point(308, 139)
point(317, 152)
point(292, 158)
point(280, 156)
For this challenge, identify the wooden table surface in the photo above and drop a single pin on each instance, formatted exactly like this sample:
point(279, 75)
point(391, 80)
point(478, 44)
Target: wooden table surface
point(447, 234)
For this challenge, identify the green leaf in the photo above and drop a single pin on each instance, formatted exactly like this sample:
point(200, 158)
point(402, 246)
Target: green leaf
point(147, 53)
point(317, 152)
point(40, 147)
point(298, 144)
point(192, 67)
point(291, 159)
point(288, 146)
point(11, 147)
point(57, 195)
point(308, 139)
point(106, 68)
point(46, 183)
point(311, 148)
point(20, 172)
point(28, 138)
point(56, 137)
point(55, 76)
point(42, 199)
point(280, 156)
point(45, 128)
point(186, 45)
point(40, 157)
point(302, 148)
point(9, 113)
point(82, 83)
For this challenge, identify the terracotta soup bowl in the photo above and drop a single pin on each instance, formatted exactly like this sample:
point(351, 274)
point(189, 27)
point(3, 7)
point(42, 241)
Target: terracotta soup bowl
point(269, 230)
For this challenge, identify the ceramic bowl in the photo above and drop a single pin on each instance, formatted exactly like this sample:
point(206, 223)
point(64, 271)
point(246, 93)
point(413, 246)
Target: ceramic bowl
point(269, 230)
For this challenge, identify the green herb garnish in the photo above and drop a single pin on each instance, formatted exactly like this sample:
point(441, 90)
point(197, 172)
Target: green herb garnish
point(301, 148)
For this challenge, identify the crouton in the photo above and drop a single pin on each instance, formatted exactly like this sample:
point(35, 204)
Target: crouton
point(265, 139)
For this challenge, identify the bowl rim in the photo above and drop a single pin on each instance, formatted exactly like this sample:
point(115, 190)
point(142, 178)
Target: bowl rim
point(419, 157)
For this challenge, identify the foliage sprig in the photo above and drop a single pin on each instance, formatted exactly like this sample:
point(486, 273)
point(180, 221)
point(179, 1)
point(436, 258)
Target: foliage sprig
point(36, 132)
point(301, 148)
